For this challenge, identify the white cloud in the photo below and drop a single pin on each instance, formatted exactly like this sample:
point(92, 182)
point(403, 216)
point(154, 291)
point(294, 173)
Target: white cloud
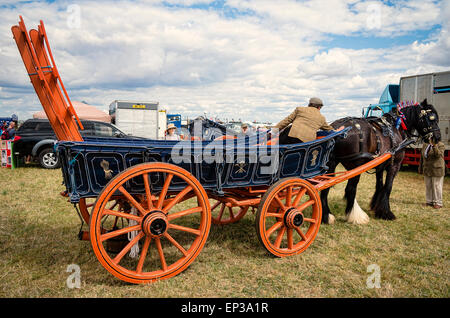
point(251, 66)
point(346, 17)
point(328, 64)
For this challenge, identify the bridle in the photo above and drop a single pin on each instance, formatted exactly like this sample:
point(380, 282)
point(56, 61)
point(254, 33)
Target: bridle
point(427, 119)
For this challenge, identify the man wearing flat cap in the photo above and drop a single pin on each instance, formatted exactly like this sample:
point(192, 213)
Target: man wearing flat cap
point(305, 123)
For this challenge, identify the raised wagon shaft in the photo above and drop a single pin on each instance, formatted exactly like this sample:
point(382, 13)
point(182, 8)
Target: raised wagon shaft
point(325, 181)
point(40, 65)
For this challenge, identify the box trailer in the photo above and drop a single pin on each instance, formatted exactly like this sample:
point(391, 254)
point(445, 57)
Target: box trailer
point(435, 87)
point(174, 119)
point(141, 119)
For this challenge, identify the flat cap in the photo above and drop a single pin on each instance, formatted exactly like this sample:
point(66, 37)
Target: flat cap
point(315, 101)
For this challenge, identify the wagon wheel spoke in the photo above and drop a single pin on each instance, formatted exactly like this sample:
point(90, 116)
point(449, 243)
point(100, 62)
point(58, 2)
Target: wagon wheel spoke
point(177, 199)
point(184, 229)
point(275, 215)
point(114, 205)
point(143, 254)
point(177, 215)
point(147, 192)
point(230, 209)
point(115, 233)
point(122, 215)
point(309, 220)
point(305, 205)
point(161, 254)
point(122, 253)
point(280, 235)
point(163, 193)
point(290, 239)
point(288, 196)
point(300, 232)
point(299, 196)
point(280, 203)
point(132, 200)
point(176, 244)
point(222, 209)
point(273, 228)
point(215, 205)
point(227, 214)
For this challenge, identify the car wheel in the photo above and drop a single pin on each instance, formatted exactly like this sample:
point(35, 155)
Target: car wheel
point(48, 159)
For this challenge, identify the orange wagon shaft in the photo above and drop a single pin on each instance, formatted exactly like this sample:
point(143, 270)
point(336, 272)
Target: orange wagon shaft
point(40, 65)
point(326, 181)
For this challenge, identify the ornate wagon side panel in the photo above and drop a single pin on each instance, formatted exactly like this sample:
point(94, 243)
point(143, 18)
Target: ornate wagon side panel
point(292, 161)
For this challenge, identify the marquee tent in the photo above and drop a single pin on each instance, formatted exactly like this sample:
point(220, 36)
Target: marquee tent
point(84, 111)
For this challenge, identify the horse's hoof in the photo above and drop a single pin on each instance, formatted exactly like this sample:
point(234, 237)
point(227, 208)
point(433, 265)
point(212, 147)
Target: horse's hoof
point(357, 215)
point(331, 219)
point(389, 216)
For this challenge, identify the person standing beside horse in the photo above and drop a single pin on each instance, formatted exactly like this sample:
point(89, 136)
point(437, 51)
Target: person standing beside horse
point(432, 165)
point(306, 121)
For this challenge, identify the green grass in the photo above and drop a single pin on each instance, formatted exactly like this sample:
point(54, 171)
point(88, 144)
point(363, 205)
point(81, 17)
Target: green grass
point(38, 241)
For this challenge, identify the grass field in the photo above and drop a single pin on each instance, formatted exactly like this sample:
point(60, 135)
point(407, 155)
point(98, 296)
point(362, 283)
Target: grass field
point(38, 241)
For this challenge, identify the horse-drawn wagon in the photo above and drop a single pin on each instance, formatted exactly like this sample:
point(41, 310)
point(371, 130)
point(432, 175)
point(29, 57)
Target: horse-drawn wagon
point(154, 200)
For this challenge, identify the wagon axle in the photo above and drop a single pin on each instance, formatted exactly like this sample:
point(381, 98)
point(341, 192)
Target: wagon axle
point(155, 224)
point(293, 218)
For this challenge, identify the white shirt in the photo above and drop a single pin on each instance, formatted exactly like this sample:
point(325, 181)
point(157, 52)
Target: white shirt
point(172, 137)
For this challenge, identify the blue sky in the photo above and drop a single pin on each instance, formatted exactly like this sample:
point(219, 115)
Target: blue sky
point(247, 59)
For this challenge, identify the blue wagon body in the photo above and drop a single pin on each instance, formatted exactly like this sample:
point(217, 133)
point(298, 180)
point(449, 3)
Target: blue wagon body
point(89, 165)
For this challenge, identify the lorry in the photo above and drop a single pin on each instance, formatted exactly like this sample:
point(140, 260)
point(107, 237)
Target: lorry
point(435, 87)
point(174, 119)
point(140, 119)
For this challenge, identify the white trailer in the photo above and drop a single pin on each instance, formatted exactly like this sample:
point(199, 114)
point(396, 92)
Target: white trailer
point(435, 87)
point(141, 119)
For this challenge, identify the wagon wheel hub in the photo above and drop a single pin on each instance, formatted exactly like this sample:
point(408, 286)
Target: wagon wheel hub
point(155, 223)
point(293, 218)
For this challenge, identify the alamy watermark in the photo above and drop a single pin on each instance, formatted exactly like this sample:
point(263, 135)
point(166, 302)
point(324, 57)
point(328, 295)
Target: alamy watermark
point(74, 279)
point(74, 16)
point(373, 20)
point(374, 279)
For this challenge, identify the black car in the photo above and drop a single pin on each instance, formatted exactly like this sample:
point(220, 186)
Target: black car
point(35, 138)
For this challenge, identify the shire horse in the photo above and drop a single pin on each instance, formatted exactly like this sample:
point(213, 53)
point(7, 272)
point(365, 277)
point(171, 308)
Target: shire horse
point(370, 137)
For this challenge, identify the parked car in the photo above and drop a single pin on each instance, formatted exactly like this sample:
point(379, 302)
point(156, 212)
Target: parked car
point(35, 137)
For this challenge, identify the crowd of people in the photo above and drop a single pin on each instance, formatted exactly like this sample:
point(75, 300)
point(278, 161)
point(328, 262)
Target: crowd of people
point(8, 130)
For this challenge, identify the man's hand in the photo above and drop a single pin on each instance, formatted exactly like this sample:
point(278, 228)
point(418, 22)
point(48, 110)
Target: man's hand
point(340, 128)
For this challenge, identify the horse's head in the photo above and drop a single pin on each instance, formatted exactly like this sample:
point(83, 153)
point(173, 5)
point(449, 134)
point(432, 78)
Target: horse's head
point(422, 117)
point(428, 121)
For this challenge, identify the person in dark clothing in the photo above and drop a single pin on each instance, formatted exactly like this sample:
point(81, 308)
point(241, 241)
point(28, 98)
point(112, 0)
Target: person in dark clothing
point(12, 130)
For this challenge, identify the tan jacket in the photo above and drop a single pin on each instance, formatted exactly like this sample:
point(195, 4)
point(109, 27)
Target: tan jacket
point(434, 164)
point(305, 123)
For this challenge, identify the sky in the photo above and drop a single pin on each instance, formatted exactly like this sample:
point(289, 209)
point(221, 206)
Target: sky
point(230, 59)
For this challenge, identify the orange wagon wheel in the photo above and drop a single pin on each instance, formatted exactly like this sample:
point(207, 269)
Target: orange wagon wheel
point(288, 217)
point(85, 209)
point(156, 237)
point(86, 204)
point(221, 214)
